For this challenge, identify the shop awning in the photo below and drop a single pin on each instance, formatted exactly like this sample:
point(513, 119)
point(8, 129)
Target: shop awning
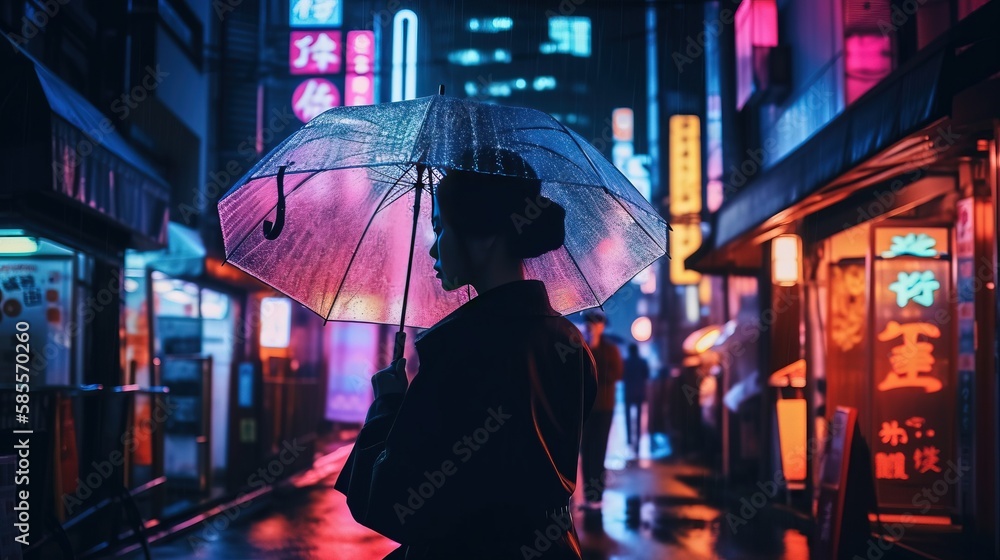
point(889, 121)
point(82, 157)
point(184, 256)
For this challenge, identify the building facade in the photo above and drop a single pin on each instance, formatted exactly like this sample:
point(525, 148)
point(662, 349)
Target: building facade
point(858, 227)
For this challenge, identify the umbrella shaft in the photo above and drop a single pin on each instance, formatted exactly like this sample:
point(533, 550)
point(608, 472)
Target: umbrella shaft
point(400, 337)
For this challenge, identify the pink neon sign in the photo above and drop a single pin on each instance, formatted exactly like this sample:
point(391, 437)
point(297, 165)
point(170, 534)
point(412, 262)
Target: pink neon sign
point(360, 52)
point(314, 52)
point(359, 87)
point(314, 96)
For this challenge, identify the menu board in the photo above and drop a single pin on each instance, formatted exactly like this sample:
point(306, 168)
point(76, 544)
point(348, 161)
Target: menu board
point(38, 291)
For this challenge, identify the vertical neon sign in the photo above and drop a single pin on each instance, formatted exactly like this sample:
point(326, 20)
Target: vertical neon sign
point(912, 373)
point(404, 55)
point(359, 88)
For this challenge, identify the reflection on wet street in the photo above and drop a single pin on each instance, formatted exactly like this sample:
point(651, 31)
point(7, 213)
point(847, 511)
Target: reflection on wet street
point(651, 509)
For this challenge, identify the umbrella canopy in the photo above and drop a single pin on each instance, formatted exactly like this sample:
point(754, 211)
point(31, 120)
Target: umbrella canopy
point(340, 240)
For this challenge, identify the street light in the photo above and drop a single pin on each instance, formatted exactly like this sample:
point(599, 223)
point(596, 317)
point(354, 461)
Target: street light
point(642, 329)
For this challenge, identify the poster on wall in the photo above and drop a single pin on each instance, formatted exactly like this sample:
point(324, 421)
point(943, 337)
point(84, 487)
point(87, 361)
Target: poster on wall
point(38, 291)
point(914, 381)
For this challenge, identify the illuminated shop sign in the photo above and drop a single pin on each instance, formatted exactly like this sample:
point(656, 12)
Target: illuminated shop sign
point(275, 322)
point(359, 83)
point(315, 13)
point(314, 52)
point(314, 96)
point(685, 195)
point(913, 397)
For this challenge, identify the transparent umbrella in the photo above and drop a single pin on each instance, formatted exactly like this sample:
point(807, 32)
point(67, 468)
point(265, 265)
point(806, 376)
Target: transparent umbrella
point(333, 216)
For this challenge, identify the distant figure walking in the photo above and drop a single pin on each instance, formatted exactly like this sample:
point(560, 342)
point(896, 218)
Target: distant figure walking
point(636, 375)
point(598, 425)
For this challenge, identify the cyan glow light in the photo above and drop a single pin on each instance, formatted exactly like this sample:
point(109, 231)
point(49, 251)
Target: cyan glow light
point(916, 244)
point(315, 13)
point(569, 35)
point(465, 57)
point(404, 55)
point(542, 83)
point(918, 286)
point(490, 25)
point(18, 245)
point(473, 57)
point(499, 90)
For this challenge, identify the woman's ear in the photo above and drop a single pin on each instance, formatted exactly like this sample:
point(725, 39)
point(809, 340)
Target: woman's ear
point(480, 246)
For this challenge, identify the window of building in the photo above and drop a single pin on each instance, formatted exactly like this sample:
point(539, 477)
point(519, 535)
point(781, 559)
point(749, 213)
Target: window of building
point(756, 30)
point(966, 7)
point(474, 57)
point(490, 25)
point(570, 35)
point(867, 45)
point(542, 83)
point(503, 88)
point(498, 90)
point(933, 19)
point(183, 25)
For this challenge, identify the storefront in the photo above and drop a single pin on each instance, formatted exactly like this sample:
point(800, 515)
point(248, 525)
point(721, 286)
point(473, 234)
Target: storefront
point(874, 249)
point(74, 196)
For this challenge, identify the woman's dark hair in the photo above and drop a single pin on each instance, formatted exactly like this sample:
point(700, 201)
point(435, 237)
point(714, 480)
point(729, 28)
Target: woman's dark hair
point(497, 193)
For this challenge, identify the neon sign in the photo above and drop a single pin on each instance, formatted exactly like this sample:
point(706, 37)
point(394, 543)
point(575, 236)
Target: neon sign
point(314, 96)
point(404, 55)
point(913, 391)
point(314, 52)
point(315, 13)
point(359, 83)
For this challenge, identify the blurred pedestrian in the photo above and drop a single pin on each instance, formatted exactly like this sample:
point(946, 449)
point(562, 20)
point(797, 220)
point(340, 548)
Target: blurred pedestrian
point(636, 376)
point(478, 456)
point(594, 446)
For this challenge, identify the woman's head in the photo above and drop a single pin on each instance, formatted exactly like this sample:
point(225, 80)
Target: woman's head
point(488, 221)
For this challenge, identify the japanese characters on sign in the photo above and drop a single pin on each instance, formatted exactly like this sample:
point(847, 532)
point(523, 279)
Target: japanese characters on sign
point(315, 13)
point(39, 292)
point(685, 195)
point(314, 52)
point(314, 96)
point(913, 440)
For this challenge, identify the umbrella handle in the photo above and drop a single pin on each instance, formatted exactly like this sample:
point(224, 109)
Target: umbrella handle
point(397, 348)
point(273, 229)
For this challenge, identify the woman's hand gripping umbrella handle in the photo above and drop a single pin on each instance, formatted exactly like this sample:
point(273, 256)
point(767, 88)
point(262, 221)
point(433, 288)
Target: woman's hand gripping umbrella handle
point(393, 378)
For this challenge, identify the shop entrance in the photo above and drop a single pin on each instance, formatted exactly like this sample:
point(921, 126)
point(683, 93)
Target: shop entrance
point(189, 332)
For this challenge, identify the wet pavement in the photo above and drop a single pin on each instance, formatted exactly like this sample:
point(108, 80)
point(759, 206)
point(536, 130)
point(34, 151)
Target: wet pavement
point(650, 510)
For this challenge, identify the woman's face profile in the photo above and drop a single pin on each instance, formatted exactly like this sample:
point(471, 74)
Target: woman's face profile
point(446, 252)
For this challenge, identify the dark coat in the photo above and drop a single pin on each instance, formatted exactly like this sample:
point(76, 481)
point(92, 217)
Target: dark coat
point(481, 452)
